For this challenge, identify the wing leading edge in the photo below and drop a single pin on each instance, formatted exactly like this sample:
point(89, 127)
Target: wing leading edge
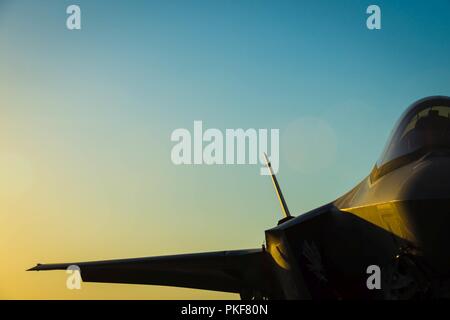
point(229, 271)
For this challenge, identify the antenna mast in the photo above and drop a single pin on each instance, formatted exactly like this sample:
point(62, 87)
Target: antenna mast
point(283, 204)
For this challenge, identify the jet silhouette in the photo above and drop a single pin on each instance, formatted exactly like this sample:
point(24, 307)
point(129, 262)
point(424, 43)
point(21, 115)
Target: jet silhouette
point(396, 219)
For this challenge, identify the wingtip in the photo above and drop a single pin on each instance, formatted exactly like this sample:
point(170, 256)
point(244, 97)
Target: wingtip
point(35, 268)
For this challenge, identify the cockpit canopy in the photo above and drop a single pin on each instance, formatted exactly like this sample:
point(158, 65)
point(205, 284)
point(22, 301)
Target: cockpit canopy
point(424, 127)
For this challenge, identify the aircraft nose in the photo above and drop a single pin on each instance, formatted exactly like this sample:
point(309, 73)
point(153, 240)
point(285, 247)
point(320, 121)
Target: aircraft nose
point(430, 179)
point(428, 209)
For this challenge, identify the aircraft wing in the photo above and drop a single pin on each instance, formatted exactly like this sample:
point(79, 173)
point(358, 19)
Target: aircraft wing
point(228, 271)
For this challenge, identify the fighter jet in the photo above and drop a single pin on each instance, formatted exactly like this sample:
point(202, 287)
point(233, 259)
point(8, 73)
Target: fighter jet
point(395, 222)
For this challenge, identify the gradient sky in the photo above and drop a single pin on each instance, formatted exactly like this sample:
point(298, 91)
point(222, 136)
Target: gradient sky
point(86, 118)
